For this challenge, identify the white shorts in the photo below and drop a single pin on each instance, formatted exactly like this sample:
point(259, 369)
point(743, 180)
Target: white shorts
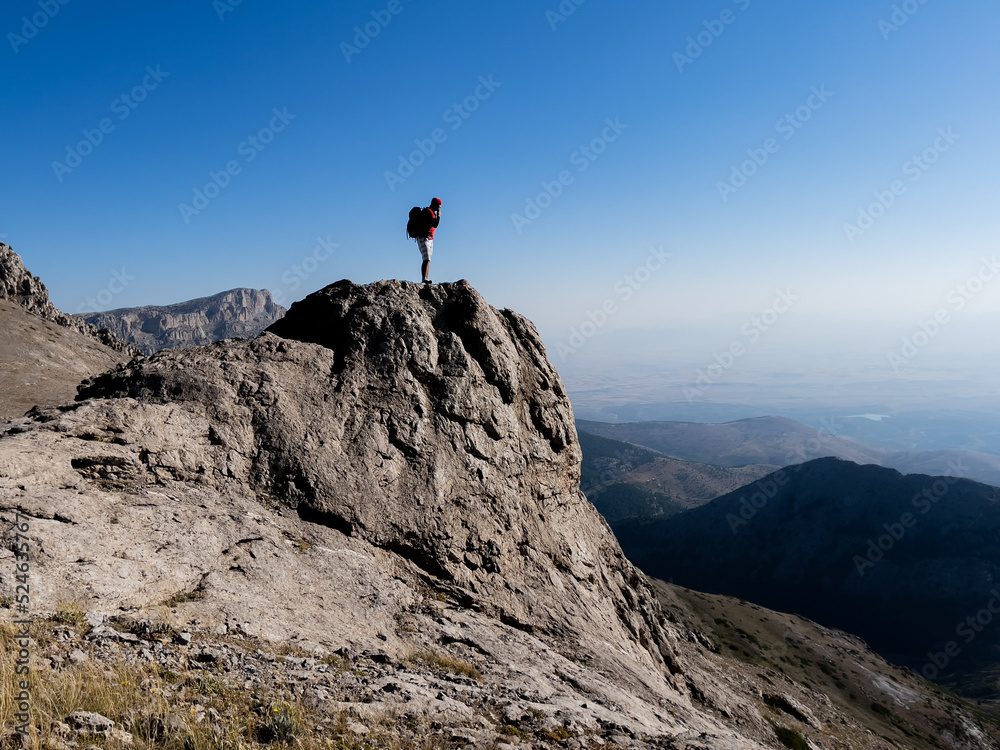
point(426, 248)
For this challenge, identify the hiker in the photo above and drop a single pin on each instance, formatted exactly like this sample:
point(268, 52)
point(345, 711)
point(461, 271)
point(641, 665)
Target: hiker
point(421, 226)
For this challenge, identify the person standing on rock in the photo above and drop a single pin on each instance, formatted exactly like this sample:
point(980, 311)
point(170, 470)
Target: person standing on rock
point(421, 227)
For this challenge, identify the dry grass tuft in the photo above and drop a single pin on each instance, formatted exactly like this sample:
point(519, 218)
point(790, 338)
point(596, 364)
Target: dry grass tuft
point(448, 664)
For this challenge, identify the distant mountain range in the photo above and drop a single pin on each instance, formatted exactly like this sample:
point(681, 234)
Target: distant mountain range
point(901, 561)
point(776, 441)
point(625, 481)
point(238, 313)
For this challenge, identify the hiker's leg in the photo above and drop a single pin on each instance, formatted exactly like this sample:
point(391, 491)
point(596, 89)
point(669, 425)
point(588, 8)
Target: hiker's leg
point(427, 251)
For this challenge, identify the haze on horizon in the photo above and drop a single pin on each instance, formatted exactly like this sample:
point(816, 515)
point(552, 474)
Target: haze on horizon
point(644, 180)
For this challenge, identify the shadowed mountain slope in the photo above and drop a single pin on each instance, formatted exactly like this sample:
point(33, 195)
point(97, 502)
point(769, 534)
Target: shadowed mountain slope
point(626, 481)
point(900, 560)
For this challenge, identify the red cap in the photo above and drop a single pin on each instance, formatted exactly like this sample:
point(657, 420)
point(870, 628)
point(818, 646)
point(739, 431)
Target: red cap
point(436, 200)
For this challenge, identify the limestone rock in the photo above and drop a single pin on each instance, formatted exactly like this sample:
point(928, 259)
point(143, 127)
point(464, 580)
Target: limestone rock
point(242, 313)
point(88, 722)
point(422, 421)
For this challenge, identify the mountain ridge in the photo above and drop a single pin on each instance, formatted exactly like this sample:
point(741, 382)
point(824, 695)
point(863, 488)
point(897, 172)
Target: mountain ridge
point(784, 442)
point(44, 353)
point(897, 559)
point(238, 312)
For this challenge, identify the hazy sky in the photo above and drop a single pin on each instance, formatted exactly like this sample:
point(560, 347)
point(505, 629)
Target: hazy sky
point(157, 152)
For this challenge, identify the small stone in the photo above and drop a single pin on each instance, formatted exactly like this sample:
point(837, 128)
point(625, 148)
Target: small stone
point(123, 738)
point(103, 632)
point(357, 728)
point(183, 639)
point(88, 722)
point(207, 656)
point(174, 724)
point(78, 657)
point(95, 618)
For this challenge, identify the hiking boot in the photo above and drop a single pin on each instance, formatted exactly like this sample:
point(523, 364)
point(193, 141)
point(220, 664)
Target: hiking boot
point(428, 281)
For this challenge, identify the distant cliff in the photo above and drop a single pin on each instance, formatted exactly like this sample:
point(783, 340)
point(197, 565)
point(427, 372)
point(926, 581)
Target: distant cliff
point(240, 313)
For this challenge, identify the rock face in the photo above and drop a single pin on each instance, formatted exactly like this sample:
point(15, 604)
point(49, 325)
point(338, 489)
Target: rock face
point(242, 313)
point(422, 421)
point(388, 468)
point(28, 292)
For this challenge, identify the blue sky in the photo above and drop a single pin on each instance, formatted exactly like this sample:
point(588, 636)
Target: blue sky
point(839, 98)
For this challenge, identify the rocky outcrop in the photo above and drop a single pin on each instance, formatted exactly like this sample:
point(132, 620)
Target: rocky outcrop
point(28, 292)
point(420, 420)
point(390, 469)
point(238, 313)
